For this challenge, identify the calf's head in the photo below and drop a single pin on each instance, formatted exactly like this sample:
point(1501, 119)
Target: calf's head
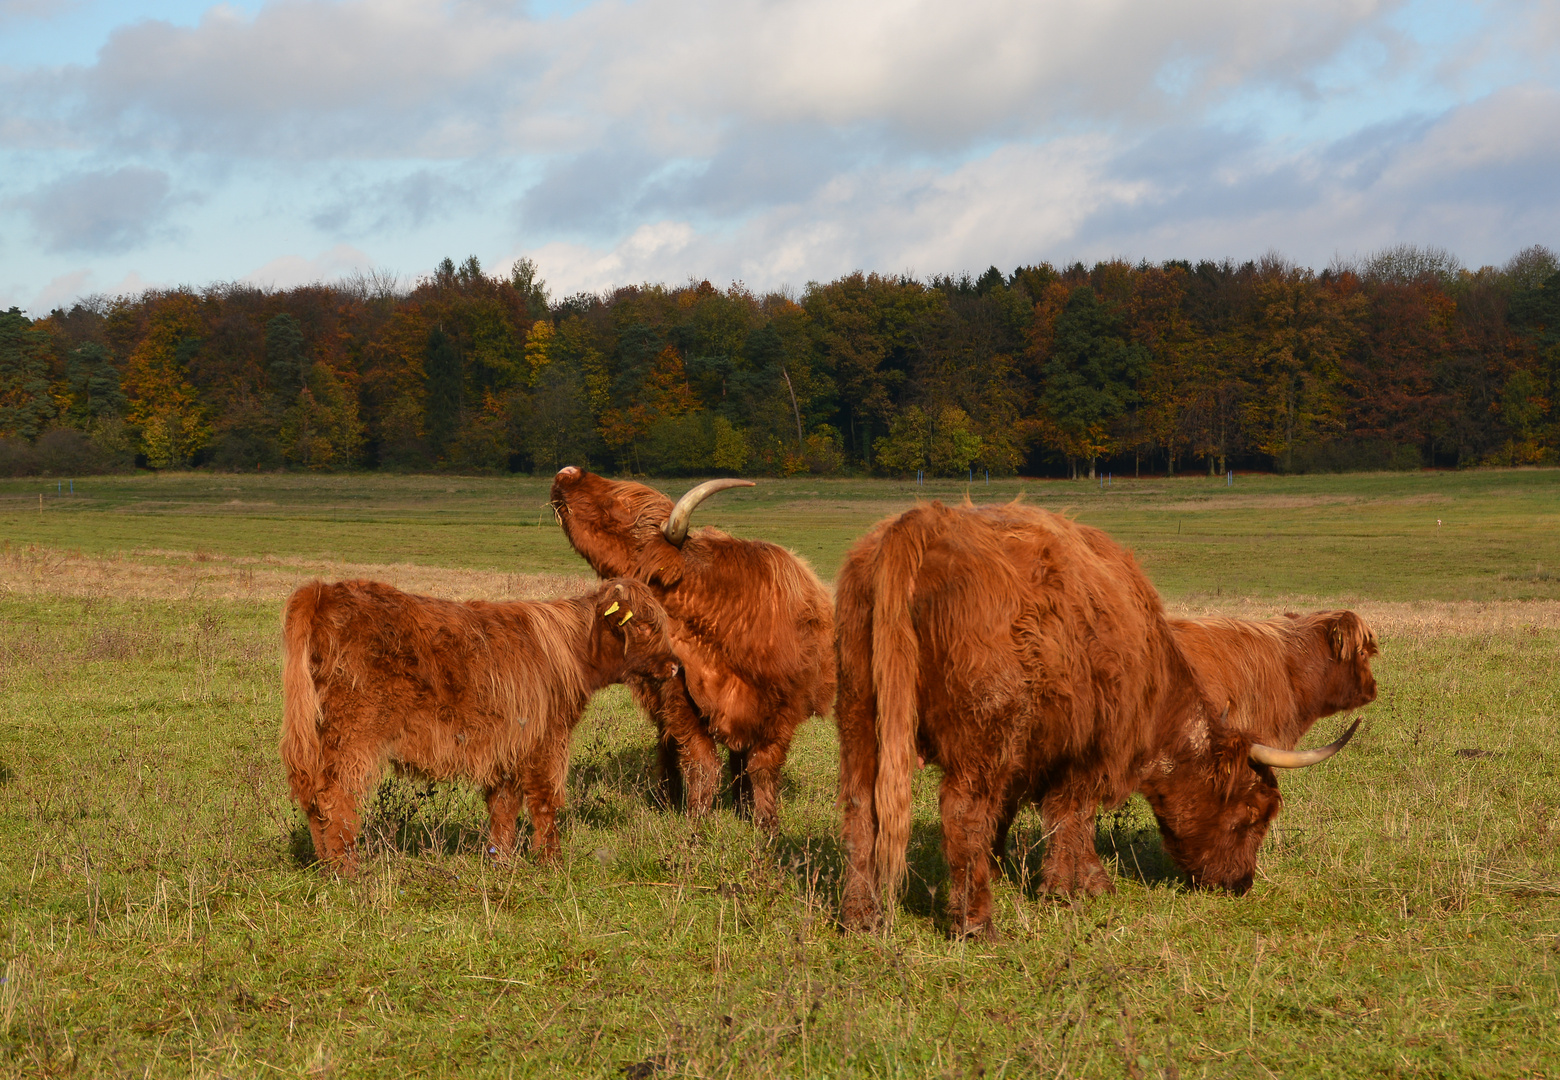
point(1348, 643)
point(632, 625)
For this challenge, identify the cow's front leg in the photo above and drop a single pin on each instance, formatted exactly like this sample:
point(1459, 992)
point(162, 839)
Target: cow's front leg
point(1004, 823)
point(690, 761)
point(671, 769)
point(763, 772)
point(503, 802)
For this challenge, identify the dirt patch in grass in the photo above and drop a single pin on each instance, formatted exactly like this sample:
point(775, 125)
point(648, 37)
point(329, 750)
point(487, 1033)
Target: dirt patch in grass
point(1214, 501)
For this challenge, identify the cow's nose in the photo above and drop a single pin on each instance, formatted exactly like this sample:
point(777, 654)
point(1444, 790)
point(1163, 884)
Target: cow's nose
point(568, 472)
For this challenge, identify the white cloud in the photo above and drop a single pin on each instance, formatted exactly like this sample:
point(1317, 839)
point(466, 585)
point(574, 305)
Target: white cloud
point(1012, 205)
point(939, 72)
point(432, 79)
point(33, 9)
point(781, 140)
point(131, 284)
point(289, 271)
point(1194, 194)
point(1498, 131)
point(61, 291)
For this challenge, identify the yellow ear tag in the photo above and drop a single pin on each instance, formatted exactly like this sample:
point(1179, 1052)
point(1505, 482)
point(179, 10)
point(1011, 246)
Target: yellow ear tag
point(610, 610)
point(625, 618)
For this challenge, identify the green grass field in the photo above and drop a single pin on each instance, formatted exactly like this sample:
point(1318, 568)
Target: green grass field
point(159, 917)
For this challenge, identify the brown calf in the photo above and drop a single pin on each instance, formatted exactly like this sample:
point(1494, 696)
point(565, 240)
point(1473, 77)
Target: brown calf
point(485, 691)
point(1279, 676)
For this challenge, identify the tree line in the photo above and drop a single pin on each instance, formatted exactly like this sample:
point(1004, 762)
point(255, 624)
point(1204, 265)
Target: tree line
point(1400, 360)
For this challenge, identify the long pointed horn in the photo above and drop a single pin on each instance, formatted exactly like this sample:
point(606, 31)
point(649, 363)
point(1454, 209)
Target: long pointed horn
point(676, 528)
point(1300, 759)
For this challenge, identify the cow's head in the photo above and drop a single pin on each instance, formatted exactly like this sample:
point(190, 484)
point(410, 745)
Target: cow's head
point(1216, 797)
point(624, 528)
point(1348, 643)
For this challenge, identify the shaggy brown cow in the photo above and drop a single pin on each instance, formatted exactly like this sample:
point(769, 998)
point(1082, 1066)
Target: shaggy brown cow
point(486, 691)
point(1279, 676)
point(1029, 658)
point(750, 621)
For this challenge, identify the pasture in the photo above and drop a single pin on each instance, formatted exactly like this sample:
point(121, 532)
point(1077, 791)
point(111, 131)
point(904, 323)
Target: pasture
point(159, 918)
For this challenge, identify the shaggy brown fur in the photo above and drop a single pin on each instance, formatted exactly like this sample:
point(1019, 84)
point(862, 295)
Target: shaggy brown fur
point(1029, 658)
point(750, 621)
point(1272, 678)
point(486, 691)
point(1279, 676)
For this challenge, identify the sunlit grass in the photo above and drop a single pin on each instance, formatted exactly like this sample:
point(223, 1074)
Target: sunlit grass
point(159, 918)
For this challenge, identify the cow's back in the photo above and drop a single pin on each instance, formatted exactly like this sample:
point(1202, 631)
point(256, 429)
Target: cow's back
point(1037, 634)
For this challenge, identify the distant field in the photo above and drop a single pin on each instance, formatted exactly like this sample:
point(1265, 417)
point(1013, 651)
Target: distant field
point(159, 919)
point(1383, 536)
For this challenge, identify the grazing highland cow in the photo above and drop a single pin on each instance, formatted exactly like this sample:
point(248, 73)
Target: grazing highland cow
point(485, 691)
point(750, 621)
point(1029, 658)
point(1279, 676)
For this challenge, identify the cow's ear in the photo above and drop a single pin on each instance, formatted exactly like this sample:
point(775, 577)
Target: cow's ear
point(1346, 634)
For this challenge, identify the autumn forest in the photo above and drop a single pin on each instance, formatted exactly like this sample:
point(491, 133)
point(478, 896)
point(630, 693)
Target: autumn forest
point(1401, 360)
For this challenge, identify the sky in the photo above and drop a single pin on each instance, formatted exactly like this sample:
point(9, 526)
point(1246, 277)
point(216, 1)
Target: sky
point(154, 143)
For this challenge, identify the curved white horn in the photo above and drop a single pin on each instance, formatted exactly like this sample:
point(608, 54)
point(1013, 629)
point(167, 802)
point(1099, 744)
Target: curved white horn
point(676, 528)
point(1300, 759)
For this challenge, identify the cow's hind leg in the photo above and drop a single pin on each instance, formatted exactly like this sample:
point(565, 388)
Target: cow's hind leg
point(860, 905)
point(542, 780)
point(1071, 865)
point(334, 823)
point(316, 821)
point(970, 812)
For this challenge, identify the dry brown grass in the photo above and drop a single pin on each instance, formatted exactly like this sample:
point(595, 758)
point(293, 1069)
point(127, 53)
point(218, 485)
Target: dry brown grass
point(1390, 619)
point(153, 574)
point(156, 574)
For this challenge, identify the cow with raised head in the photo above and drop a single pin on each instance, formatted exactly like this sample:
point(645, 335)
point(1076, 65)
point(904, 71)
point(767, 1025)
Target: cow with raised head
point(750, 621)
point(488, 692)
point(1029, 658)
point(1277, 677)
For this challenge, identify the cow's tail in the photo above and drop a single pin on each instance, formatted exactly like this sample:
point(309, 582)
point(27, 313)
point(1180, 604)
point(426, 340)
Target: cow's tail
point(895, 672)
point(300, 700)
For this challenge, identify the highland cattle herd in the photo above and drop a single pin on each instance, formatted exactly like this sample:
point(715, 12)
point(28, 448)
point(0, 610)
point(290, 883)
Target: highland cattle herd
point(1025, 655)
